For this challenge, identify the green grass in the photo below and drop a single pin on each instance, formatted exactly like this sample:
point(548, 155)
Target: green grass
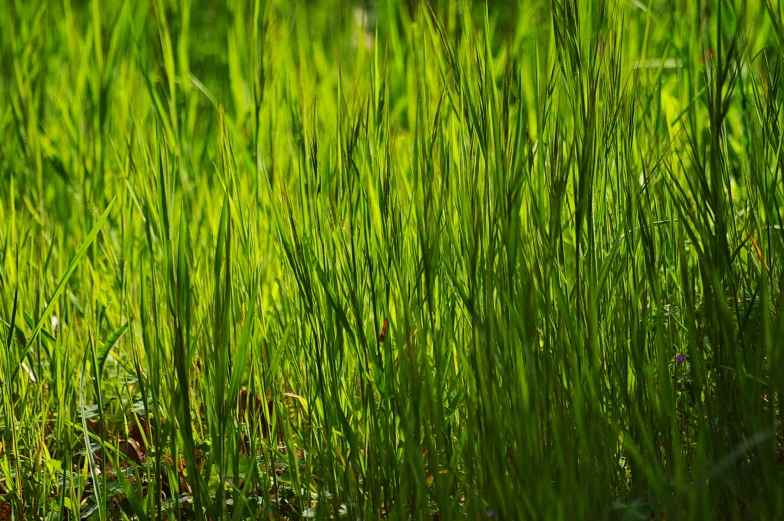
point(569, 214)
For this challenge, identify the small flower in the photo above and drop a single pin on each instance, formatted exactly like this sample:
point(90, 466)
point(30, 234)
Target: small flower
point(490, 513)
point(679, 359)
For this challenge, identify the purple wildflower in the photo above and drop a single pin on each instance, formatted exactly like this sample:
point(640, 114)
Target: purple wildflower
point(490, 513)
point(679, 359)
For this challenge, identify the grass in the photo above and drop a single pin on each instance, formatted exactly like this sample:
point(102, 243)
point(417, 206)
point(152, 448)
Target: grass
point(404, 260)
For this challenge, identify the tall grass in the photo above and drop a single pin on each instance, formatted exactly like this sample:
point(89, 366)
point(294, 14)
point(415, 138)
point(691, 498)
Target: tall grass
point(405, 260)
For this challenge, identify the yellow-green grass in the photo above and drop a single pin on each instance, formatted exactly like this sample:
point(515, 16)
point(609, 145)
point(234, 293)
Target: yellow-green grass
point(403, 260)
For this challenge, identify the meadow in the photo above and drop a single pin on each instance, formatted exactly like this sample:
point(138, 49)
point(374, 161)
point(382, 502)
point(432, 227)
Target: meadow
point(511, 260)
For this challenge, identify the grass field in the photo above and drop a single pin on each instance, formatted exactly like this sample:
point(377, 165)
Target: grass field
point(402, 260)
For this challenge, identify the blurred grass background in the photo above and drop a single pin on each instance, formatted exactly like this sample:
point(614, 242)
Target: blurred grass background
point(405, 260)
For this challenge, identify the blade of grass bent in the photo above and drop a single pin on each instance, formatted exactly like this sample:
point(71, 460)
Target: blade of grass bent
point(61, 285)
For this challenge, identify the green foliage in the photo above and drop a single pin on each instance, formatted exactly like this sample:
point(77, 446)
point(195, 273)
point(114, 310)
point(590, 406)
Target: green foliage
point(399, 259)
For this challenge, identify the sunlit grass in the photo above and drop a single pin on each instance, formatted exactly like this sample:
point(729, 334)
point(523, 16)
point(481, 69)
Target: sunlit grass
point(391, 260)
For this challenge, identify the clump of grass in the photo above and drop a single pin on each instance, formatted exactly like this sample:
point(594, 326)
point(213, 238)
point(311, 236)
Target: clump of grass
point(421, 260)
